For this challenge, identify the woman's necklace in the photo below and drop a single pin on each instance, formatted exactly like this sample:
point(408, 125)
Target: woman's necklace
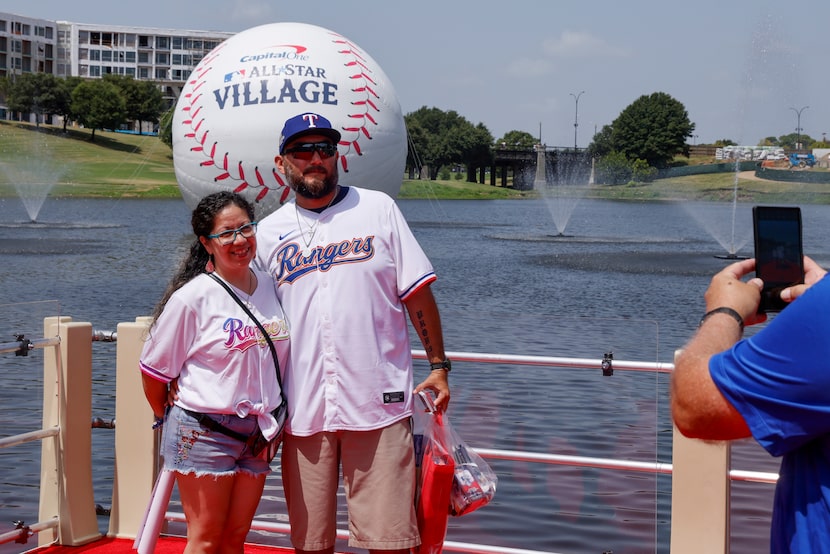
point(251, 288)
point(312, 228)
point(249, 292)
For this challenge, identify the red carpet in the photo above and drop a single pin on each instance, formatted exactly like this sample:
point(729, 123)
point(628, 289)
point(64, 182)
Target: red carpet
point(165, 545)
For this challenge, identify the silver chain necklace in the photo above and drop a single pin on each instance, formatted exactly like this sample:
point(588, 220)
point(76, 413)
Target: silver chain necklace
point(248, 295)
point(251, 288)
point(312, 228)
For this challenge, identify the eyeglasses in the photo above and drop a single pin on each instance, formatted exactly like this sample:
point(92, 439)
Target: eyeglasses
point(229, 237)
point(305, 151)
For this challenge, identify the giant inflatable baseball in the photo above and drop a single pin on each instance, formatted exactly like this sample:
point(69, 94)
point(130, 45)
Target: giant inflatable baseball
point(228, 118)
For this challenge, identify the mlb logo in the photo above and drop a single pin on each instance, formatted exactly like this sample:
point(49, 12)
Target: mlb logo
point(229, 76)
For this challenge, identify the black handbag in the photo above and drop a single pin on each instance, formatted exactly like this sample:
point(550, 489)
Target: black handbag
point(256, 442)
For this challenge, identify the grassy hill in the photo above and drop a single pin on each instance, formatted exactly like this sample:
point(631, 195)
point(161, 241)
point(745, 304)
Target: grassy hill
point(125, 165)
point(115, 164)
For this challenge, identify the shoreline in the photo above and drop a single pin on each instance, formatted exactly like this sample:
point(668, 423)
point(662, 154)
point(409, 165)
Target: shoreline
point(669, 190)
point(119, 165)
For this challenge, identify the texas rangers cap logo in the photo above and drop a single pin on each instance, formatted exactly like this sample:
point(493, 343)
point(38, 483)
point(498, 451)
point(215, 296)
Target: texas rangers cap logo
point(306, 124)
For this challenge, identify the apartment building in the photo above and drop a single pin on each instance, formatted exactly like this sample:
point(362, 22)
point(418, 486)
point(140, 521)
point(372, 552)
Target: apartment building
point(27, 45)
point(64, 48)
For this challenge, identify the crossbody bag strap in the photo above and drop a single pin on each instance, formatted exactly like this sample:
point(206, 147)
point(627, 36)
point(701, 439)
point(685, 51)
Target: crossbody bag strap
point(214, 425)
point(258, 324)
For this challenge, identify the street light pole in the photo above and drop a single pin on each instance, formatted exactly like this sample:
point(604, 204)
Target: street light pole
point(576, 113)
point(798, 127)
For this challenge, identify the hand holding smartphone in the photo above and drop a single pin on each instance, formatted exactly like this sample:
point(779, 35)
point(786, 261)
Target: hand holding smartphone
point(779, 254)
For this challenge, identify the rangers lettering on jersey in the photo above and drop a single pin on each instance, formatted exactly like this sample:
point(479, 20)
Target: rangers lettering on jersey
point(292, 264)
point(241, 337)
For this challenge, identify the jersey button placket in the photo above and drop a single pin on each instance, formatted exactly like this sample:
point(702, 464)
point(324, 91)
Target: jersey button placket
point(329, 350)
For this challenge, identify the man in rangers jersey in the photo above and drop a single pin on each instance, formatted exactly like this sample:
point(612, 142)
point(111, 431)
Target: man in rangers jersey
point(348, 269)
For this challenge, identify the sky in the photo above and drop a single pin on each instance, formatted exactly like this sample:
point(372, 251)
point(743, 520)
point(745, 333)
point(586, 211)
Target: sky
point(743, 70)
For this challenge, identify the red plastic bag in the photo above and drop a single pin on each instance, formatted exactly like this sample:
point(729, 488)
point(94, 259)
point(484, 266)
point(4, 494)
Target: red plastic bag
point(434, 489)
point(454, 479)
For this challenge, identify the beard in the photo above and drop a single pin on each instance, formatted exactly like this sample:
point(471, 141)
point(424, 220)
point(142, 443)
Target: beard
point(316, 182)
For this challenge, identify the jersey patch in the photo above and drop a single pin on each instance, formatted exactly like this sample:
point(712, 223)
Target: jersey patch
point(393, 397)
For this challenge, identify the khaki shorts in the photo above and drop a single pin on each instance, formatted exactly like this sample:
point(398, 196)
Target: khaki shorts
point(378, 477)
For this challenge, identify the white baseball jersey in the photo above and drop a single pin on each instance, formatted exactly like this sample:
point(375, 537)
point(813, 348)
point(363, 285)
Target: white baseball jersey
point(341, 277)
point(223, 363)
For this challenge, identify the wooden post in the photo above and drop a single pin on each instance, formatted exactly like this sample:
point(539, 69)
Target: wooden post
point(66, 463)
point(136, 447)
point(700, 496)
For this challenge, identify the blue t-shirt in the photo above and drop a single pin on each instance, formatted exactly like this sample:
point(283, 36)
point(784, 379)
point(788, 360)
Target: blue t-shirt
point(779, 380)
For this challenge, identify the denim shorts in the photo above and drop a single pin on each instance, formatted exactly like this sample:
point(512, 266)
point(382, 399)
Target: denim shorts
point(189, 447)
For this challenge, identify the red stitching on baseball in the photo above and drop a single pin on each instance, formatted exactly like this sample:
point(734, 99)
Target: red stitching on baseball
point(194, 106)
point(362, 79)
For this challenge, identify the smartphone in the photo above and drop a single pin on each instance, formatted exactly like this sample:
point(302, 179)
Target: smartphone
point(779, 254)
point(427, 401)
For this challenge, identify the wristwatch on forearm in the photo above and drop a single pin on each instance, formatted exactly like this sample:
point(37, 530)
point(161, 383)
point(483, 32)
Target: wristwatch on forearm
point(445, 365)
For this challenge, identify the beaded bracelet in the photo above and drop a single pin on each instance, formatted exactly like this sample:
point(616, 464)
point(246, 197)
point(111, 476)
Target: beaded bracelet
point(723, 310)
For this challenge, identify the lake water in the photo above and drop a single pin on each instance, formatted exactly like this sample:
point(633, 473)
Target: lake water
point(627, 278)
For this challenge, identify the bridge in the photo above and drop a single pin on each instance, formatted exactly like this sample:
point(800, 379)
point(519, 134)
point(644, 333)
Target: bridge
point(562, 166)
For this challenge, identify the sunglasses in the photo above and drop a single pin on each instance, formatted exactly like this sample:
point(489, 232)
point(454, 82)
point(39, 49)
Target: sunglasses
point(305, 150)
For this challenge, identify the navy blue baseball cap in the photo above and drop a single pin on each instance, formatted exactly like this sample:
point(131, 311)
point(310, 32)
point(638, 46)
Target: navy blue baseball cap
point(307, 124)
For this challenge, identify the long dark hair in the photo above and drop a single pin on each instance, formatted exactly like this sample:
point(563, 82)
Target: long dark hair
point(202, 222)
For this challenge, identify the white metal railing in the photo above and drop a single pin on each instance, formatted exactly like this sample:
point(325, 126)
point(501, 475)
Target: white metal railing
point(22, 346)
point(72, 520)
point(551, 361)
point(23, 532)
point(66, 508)
point(31, 436)
point(586, 363)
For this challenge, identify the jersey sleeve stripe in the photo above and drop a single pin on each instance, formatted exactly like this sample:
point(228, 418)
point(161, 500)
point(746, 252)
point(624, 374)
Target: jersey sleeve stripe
point(425, 280)
point(150, 372)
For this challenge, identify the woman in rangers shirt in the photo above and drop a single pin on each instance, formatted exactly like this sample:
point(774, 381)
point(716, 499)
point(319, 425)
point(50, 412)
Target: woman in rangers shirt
point(226, 383)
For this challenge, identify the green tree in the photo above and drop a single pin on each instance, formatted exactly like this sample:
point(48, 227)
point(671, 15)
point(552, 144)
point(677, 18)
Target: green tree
point(63, 98)
point(602, 144)
point(654, 128)
point(166, 127)
point(455, 141)
point(151, 106)
point(416, 139)
point(19, 91)
point(789, 141)
point(32, 93)
point(479, 153)
point(641, 172)
point(144, 99)
point(517, 140)
point(438, 138)
point(613, 169)
point(99, 104)
point(425, 127)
